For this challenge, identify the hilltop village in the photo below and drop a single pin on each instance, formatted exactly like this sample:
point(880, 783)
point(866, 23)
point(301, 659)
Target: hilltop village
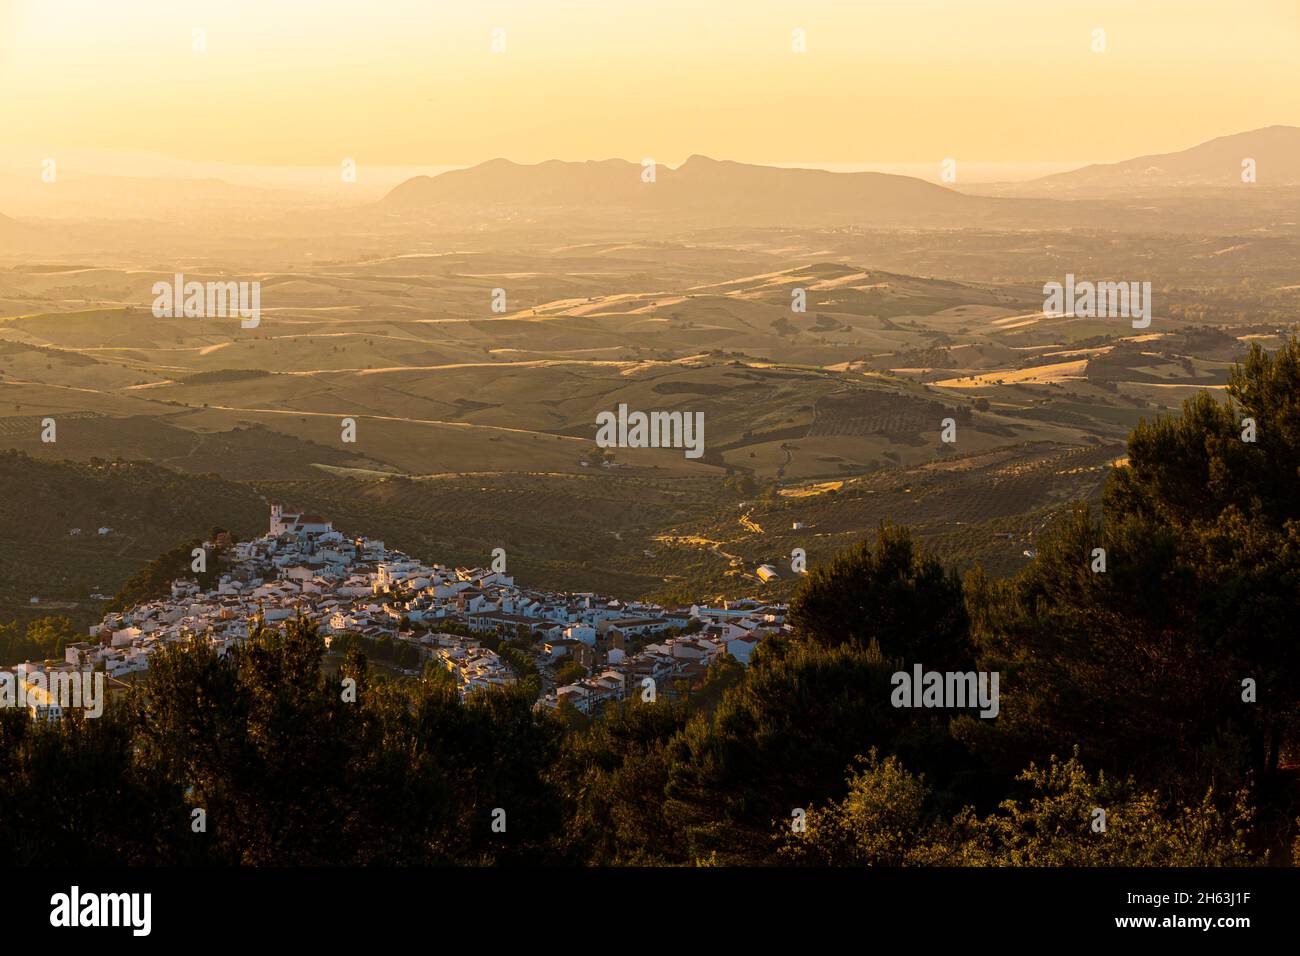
point(474, 622)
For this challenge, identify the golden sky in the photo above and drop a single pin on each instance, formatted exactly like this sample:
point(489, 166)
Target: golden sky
point(389, 82)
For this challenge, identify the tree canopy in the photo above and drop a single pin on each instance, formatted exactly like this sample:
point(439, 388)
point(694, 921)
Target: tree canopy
point(1149, 672)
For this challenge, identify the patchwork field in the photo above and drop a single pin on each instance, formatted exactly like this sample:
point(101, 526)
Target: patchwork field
point(474, 428)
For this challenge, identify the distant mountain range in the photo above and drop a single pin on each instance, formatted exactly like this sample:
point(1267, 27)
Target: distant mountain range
point(1194, 190)
point(699, 188)
point(731, 193)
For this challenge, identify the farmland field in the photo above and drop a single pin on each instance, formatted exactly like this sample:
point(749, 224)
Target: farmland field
point(384, 390)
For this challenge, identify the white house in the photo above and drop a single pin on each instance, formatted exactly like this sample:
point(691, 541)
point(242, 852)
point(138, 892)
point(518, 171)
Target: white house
point(742, 648)
point(126, 636)
point(581, 632)
point(636, 625)
point(692, 650)
point(579, 696)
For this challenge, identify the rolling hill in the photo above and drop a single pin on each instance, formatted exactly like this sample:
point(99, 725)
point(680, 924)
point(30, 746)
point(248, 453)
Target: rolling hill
point(51, 513)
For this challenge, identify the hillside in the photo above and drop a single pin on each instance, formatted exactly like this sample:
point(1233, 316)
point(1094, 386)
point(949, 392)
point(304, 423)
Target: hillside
point(1216, 163)
point(148, 509)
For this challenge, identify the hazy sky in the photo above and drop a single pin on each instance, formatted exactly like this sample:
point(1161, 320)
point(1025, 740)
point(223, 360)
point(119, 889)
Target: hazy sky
point(387, 82)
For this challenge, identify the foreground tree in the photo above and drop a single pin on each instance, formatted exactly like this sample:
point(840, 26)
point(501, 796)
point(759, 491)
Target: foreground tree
point(1064, 817)
point(890, 594)
point(1171, 617)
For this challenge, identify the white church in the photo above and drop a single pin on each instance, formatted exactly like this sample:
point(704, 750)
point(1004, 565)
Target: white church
point(283, 522)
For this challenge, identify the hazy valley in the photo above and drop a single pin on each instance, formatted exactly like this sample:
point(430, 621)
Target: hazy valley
point(475, 426)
